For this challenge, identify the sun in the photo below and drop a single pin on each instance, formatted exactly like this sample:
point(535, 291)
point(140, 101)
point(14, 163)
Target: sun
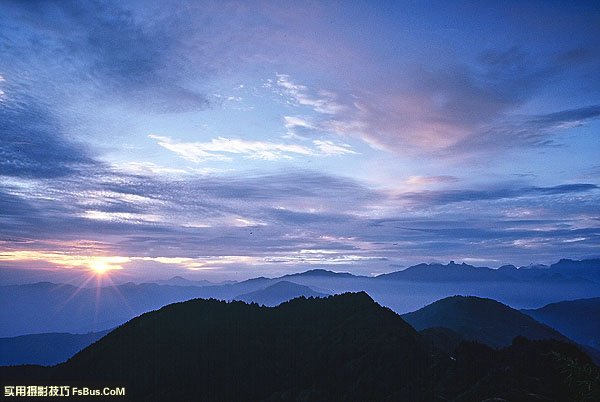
point(100, 267)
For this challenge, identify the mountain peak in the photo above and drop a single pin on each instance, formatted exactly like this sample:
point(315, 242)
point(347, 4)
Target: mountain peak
point(321, 273)
point(227, 351)
point(480, 319)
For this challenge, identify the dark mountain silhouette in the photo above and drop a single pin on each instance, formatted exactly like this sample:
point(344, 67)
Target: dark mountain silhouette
point(482, 320)
point(278, 293)
point(525, 371)
point(44, 349)
point(343, 347)
point(340, 348)
point(442, 338)
point(577, 319)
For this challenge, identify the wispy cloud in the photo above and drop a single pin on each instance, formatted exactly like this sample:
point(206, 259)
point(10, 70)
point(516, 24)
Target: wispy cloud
point(527, 131)
point(427, 180)
point(298, 94)
point(107, 45)
point(221, 149)
point(269, 219)
point(460, 111)
point(452, 196)
point(33, 143)
point(331, 148)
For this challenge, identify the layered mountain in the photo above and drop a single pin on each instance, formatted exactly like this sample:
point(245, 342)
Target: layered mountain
point(44, 349)
point(482, 320)
point(577, 319)
point(278, 293)
point(47, 307)
point(339, 348)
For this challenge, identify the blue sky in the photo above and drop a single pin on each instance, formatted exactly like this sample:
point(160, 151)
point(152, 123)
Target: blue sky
point(226, 140)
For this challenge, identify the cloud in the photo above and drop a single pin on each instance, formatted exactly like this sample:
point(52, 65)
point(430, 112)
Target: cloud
point(295, 121)
point(298, 94)
point(568, 117)
point(331, 148)
point(463, 109)
point(66, 61)
point(221, 148)
point(33, 144)
point(427, 180)
point(104, 48)
point(454, 196)
point(529, 131)
point(267, 219)
point(437, 109)
point(216, 148)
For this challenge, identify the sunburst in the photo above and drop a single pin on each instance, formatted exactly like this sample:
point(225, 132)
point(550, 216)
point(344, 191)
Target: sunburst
point(100, 267)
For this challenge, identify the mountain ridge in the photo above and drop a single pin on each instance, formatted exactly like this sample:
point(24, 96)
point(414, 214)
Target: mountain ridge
point(481, 319)
point(578, 319)
point(339, 348)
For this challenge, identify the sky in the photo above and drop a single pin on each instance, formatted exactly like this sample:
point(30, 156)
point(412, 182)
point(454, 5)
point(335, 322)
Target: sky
point(227, 140)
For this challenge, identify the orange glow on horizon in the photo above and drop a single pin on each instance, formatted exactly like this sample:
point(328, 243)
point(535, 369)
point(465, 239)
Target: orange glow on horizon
point(96, 263)
point(100, 265)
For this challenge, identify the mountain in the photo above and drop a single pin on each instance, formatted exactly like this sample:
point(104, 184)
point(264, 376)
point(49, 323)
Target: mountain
point(180, 281)
point(44, 349)
point(343, 347)
point(482, 320)
point(585, 269)
point(561, 272)
point(525, 371)
point(451, 272)
point(321, 273)
point(339, 348)
point(577, 319)
point(442, 338)
point(278, 293)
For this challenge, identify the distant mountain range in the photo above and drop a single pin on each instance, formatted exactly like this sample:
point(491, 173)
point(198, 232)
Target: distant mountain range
point(278, 293)
point(180, 281)
point(44, 349)
point(564, 271)
point(344, 347)
point(46, 307)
